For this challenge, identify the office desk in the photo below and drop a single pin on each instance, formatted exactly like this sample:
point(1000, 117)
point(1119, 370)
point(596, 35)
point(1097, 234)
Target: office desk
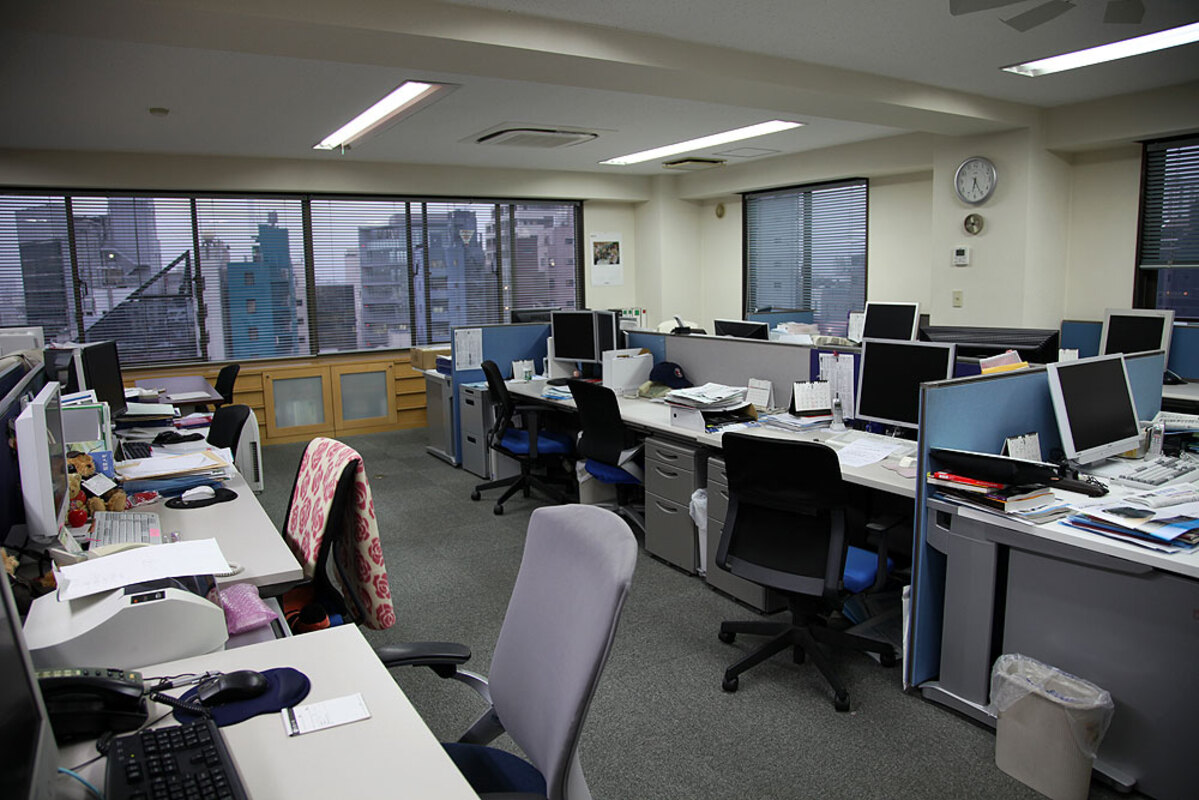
point(394, 749)
point(246, 536)
point(185, 390)
point(1181, 397)
point(1124, 617)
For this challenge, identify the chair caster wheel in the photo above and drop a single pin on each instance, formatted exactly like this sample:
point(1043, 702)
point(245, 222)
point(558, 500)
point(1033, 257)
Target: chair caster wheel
point(475, 495)
point(498, 510)
point(887, 659)
point(841, 702)
point(730, 684)
point(727, 638)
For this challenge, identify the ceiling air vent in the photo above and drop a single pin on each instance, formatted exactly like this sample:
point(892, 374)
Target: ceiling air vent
point(543, 138)
point(693, 164)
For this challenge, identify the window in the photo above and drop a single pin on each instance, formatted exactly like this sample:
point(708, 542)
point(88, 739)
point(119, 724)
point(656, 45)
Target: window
point(1168, 258)
point(805, 248)
point(185, 278)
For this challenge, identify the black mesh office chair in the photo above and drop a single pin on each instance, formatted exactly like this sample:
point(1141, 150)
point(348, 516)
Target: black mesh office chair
point(532, 448)
point(224, 383)
point(612, 452)
point(787, 528)
point(228, 422)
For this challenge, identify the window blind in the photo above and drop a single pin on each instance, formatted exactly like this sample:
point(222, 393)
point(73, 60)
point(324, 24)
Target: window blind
point(35, 265)
point(805, 248)
point(1169, 233)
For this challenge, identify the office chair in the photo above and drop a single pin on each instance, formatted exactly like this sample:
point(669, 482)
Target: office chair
point(611, 451)
point(574, 576)
point(224, 383)
point(330, 526)
point(227, 425)
point(787, 528)
point(530, 447)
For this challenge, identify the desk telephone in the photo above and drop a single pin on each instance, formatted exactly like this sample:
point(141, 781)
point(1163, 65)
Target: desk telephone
point(87, 701)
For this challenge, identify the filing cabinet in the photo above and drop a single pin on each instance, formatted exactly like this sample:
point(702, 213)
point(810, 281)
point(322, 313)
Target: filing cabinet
point(718, 505)
point(475, 413)
point(673, 471)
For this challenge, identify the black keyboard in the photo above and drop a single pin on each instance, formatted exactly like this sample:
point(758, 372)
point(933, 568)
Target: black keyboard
point(132, 451)
point(178, 761)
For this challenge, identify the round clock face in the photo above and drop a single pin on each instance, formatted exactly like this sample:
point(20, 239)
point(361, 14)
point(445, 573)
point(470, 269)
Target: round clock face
point(975, 180)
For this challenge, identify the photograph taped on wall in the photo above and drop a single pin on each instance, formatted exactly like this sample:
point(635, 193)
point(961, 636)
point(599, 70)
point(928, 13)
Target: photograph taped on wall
point(607, 261)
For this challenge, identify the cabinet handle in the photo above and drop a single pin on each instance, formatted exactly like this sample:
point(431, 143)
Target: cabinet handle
point(665, 473)
point(468, 401)
point(472, 439)
point(666, 509)
point(666, 455)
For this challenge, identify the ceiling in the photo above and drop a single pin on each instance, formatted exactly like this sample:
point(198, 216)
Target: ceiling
point(268, 79)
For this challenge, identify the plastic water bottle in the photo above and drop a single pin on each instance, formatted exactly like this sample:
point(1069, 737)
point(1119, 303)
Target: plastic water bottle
point(838, 423)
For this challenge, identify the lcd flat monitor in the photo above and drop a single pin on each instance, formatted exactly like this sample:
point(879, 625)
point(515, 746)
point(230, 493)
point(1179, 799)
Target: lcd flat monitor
point(100, 366)
point(583, 336)
point(531, 314)
point(1135, 330)
point(1093, 403)
point(30, 753)
point(889, 378)
point(741, 329)
point(42, 461)
point(891, 321)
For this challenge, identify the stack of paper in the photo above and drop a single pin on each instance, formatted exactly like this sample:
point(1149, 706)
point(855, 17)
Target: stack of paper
point(208, 463)
point(710, 396)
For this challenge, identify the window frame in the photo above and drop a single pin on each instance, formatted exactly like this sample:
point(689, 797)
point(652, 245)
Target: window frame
point(1145, 276)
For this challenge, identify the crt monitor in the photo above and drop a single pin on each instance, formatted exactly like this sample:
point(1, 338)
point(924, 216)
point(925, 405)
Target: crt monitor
point(1093, 403)
point(891, 320)
point(42, 462)
point(100, 365)
point(741, 328)
point(30, 753)
point(889, 378)
point(14, 340)
point(1135, 330)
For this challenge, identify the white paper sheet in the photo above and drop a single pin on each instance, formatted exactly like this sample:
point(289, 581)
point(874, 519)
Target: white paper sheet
point(199, 557)
point(327, 714)
point(468, 348)
point(866, 451)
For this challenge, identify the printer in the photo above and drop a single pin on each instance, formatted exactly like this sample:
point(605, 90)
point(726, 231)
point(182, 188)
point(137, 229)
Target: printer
point(131, 627)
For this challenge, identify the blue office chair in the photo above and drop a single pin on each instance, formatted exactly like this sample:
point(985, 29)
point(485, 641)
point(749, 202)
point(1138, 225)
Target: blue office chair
point(574, 576)
point(613, 455)
point(532, 448)
point(787, 528)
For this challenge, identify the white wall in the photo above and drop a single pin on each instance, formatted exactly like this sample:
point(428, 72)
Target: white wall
point(899, 257)
point(611, 218)
point(1104, 205)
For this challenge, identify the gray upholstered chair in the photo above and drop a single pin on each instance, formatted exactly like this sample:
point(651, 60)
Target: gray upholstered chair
point(574, 576)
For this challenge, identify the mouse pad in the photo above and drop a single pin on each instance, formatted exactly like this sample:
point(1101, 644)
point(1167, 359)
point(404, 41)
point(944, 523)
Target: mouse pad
point(286, 687)
point(222, 495)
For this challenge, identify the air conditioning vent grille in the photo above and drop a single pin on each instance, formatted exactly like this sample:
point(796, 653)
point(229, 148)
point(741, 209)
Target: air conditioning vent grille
point(544, 138)
point(693, 164)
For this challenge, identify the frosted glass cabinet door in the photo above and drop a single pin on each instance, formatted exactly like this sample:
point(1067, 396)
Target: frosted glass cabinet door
point(298, 401)
point(363, 395)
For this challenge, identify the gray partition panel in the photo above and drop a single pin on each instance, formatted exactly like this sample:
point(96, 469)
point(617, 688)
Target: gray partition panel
point(733, 362)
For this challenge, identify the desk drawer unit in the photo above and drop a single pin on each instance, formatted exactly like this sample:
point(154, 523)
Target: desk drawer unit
point(718, 505)
point(673, 470)
point(474, 414)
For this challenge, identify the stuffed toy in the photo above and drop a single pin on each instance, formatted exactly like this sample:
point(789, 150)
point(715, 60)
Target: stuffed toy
point(84, 467)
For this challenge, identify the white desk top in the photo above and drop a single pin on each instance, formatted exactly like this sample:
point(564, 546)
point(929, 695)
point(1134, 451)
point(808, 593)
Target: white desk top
point(245, 533)
point(651, 416)
point(1181, 391)
point(394, 748)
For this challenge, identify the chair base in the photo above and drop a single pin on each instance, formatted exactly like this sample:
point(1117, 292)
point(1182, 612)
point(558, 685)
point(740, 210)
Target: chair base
point(525, 483)
point(805, 635)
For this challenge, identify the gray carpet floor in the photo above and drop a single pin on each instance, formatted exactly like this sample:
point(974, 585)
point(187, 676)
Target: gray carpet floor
point(660, 725)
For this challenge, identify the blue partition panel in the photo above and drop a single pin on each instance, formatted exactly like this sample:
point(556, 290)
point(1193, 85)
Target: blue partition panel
point(1184, 351)
point(775, 317)
point(649, 340)
point(1081, 336)
point(502, 344)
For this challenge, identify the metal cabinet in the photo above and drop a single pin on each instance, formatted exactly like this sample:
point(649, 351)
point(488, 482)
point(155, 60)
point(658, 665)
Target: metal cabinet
point(476, 416)
point(439, 394)
point(673, 471)
point(718, 505)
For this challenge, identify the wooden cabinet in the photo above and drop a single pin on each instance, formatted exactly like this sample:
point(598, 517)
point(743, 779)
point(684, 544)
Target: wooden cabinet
point(349, 398)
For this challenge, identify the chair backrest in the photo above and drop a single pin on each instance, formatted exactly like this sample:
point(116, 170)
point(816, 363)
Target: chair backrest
point(330, 526)
point(227, 425)
point(225, 380)
point(574, 576)
point(604, 433)
point(786, 523)
point(504, 406)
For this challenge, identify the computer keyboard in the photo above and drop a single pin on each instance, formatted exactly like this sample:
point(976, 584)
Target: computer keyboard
point(131, 451)
point(125, 527)
point(905, 446)
point(1176, 421)
point(178, 761)
point(1160, 471)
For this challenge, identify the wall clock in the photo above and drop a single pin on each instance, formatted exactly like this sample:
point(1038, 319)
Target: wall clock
point(975, 180)
point(973, 224)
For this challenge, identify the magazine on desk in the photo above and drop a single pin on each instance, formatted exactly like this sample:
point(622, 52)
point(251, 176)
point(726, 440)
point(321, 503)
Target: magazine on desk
point(1168, 530)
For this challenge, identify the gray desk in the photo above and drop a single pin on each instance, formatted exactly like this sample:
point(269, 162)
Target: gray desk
point(394, 748)
point(183, 390)
point(1122, 616)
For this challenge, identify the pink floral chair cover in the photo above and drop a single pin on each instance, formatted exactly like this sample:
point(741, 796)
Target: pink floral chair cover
point(362, 559)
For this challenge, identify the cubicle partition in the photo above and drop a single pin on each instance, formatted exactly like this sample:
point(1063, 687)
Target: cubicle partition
point(805, 315)
point(502, 344)
point(1084, 337)
point(15, 382)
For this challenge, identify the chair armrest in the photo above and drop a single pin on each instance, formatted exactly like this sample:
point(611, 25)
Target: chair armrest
point(876, 533)
point(441, 657)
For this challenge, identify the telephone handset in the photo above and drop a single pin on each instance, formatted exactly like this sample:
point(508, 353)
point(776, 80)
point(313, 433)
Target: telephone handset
point(84, 702)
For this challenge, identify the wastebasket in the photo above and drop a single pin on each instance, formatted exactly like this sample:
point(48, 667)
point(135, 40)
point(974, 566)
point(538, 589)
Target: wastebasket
point(1050, 724)
point(699, 515)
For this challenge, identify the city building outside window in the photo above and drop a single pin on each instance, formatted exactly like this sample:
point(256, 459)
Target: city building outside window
point(1167, 273)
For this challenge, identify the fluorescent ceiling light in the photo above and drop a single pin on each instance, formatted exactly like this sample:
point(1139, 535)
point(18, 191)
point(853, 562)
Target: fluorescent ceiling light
point(1172, 37)
point(761, 129)
point(405, 99)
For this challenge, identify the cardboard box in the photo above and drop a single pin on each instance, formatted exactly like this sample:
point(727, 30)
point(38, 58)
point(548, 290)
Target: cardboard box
point(426, 357)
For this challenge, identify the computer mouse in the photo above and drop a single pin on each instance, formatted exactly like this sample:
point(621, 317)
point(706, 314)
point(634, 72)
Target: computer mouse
point(245, 684)
point(199, 493)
